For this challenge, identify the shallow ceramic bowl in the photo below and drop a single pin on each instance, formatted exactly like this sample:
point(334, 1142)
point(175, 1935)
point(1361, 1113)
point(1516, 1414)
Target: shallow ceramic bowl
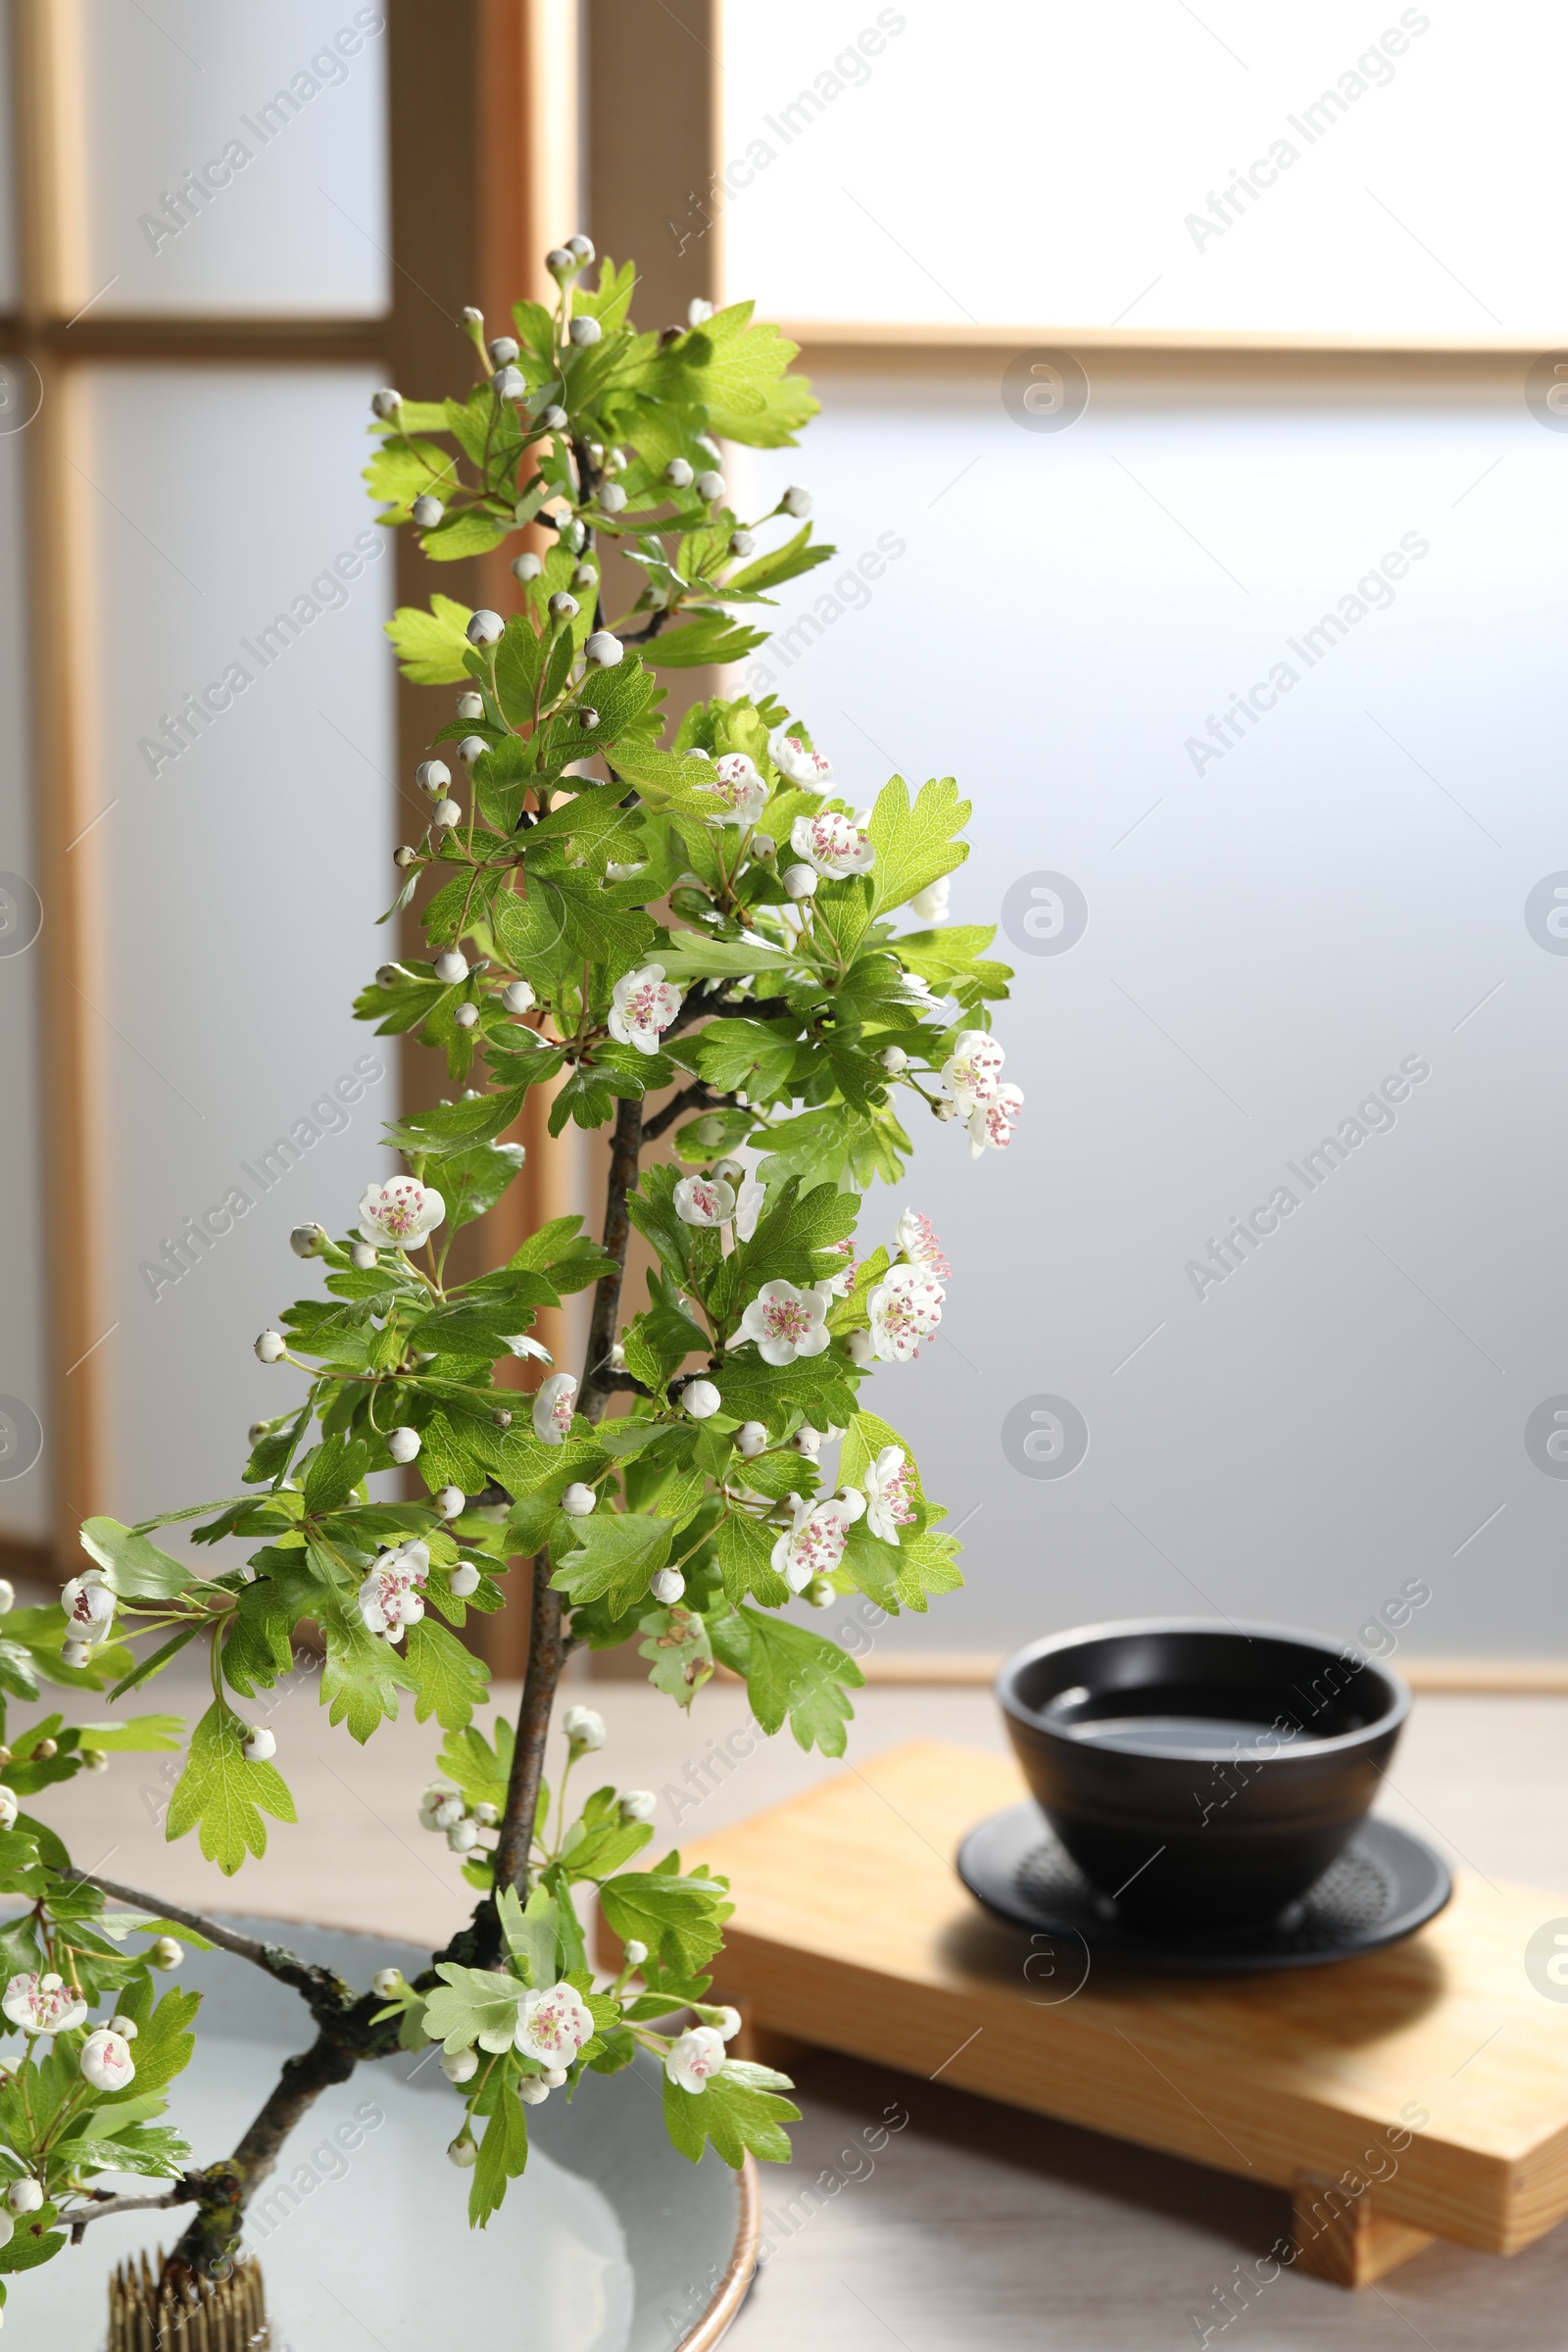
point(1201, 1776)
point(610, 2243)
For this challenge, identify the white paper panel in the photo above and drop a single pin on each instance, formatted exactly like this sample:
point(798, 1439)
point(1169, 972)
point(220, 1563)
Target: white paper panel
point(236, 157)
point(1069, 165)
point(245, 875)
point(1339, 895)
point(25, 1471)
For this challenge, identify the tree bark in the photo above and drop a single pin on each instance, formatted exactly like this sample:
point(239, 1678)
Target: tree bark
point(208, 2241)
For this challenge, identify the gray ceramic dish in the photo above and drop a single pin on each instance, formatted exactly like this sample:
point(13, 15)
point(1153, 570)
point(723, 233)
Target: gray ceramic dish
point(610, 2241)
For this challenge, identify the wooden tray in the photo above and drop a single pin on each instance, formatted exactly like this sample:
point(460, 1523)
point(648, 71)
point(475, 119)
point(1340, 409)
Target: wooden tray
point(1421, 2091)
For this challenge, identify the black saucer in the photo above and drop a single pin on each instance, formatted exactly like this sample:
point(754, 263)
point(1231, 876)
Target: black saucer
point(1384, 1885)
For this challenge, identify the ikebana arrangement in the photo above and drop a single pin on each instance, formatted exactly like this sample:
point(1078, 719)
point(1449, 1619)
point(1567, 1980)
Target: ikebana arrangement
point(618, 919)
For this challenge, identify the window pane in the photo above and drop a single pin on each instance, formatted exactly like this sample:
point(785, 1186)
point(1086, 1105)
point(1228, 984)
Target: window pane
point(1241, 167)
point(23, 1368)
point(242, 659)
point(1319, 962)
point(9, 289)
point(236, 158)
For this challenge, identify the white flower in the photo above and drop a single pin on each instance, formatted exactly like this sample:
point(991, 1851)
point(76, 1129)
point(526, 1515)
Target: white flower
point(472, 748)
point(464, 1580)
point(905, 1308)
point(583, 1727)
point(444, 816)
point(749, 1207)
point(678, 474)
point(833, 844)
point(451, 1502)
point(796, 501)
point(889, 1497)
point(973, 1070)
point(914, 1237)
point(894, 1060)
point(740, 787)
point(42, 2004)
point(403, 1444)
point(449, 1812)
point(696, 309)
point(603, 650)
point(260, 1746)
point(703, 1201)
point(167, 1952)
point(462, 1837)
point(458, 2066)
point(106, 2060)
point(667, 1585)
point(88, 1603)
point(579, 1501)
point(750, 1440)
point(517, 996)
point(633, 1953)
point(642, 1007)
point(638, 1804)
point(9, 1808)
point(611, 500)
point(125, 2026)
point(695, 2055)
point(24, 2195)
point(362, 1255)
point(800, 882)
point(387, 1981)
point(701, 1399)
point(786, 1323)
point(711, 485)
point(553, 2025)
point(435, 1796)
point(861, 1351)
point(931, 904)
point(391, 1598)
point(551, 1408)
point(807, 1440)
point(451, 966)
point(992, 1122)
point(814, 1544)
point(795, 760)
point(728, 2023)
point(403, 1212)
point(839, 1284)
point(272, 1346)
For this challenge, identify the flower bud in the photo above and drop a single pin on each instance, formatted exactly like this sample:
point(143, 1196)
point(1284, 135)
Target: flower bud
point(894, 1060)
point(485, 626)
point(612, 498)
point(466, 1016)
point(432, 776)
point(819, 1592)
point(697, 310)
point(740, 543)
point(487, 1816)
point(701, 1399)
point(572, 533)
point(503, 350)
point(458, 2066)
point(553, 2077)
point(260, 1746)
point(270, 1346)
point(603, 650)
point(463, 1581)
point(463, 2151)
point(946, 1108)
point(863, 1351)
point(678, 474)
point(8, 1595)
point(588, 720)
point(533, 2091)
point(403, 1444)
point(167, 1952)
point(451, 965)
point(559, 262)
point(75, 1653)
point(563, 606)
point(583, 331)
point(711, 486)
point(555, 418)
point(796, 501)
point(448, 1810)
point(509, 384)
point(386, 404)
point(666, 1586)
point(24, 2195)
point(404, 857)
point(307, 1240)
point(581, 247)
point(517, 996)
point(426, 510)
point(800, 881)
point(584, 1729)
point(471, 316)
point(106, 2061)
point(638, 1804)
point(388, 1981)
point(451, 1502)
point(462, 1837)
point(579, 1501)
point(634, 1952)
point(472, 748)
point(445, 815)
point(527, 568)
point(46, 1750)
point(764, 845)
point(363, 1255)
point(807, 1440)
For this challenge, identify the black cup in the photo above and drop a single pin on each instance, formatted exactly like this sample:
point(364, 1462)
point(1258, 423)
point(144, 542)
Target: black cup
point(1201, 1776)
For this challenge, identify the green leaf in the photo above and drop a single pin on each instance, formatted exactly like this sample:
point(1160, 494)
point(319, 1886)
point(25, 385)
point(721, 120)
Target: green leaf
point(226, 1795)
point(710, 637)
point(617, 1554)
point(472, 1182)
point(133, 1567)
point(682, 1656)
point(454, 1126)
point(431, 647)
point(473, 2005)
point(332, 1471)
point(792, 1673)
point(679, 1919)
point(140, 1733)
point(914, 847)
point(479, 1769)
point(165, 2043)
point(17, 1674)
point(450, 1680)
point(362, 1677)
point(503, 2154)
point(533, 1935)
point(756, 1056)
point(785, 563)
point(36, 2240)
point(157, 2152)
point(739, 2109)
point(742, 382)
point(745, 1549)
point(816, 1386)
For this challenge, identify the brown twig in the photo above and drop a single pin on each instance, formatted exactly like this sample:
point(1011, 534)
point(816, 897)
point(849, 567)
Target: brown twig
point(317, 1985)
